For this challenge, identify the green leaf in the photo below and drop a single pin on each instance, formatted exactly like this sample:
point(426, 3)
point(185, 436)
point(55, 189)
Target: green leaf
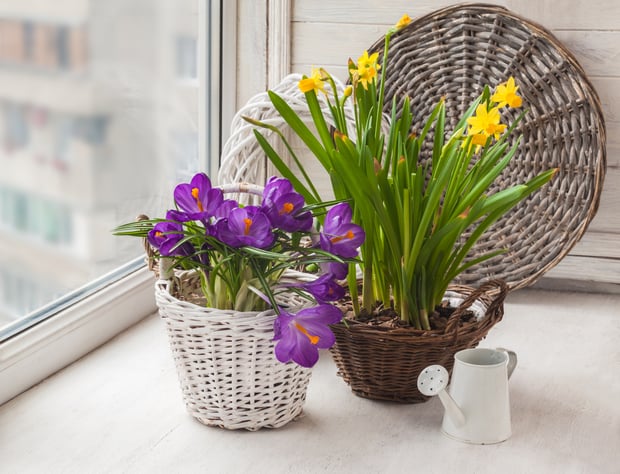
point(310, 196)
point(300, 128)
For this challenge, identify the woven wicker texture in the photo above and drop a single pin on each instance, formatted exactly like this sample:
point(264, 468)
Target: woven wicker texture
point(243, 160)
point(384, 364)
point(225, 360)
point(227, 370)
point(453, 53)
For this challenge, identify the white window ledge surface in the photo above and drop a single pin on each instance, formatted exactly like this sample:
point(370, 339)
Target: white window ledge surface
point(119, 409)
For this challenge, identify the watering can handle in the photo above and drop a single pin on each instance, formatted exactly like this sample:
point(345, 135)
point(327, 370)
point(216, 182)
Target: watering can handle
point(512, 360)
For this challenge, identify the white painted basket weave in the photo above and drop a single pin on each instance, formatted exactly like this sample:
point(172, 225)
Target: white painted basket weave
point(243, 159)
point(225, 361)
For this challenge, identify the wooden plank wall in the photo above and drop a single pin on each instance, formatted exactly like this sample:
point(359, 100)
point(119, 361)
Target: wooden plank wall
point(326, 33)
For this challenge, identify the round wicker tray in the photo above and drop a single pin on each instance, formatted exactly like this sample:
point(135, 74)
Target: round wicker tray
point(453, 53)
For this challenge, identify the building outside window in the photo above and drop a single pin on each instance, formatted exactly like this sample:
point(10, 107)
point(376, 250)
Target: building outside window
point(99, 117)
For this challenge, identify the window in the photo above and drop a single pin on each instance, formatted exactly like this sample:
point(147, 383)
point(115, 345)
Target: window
point(104, 107)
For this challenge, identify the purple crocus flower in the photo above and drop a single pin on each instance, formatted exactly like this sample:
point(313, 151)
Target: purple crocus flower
point(224, 209)
point(338, 270)
point(197, 198)
point(324, 289)
point(178, 216)
point(166, 235)
point(340, 236)
point(245, 226)
point(301, 335)
point(284, 206)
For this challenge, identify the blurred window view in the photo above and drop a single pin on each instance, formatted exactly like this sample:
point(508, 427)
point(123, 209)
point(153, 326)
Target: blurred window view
point(98, 122)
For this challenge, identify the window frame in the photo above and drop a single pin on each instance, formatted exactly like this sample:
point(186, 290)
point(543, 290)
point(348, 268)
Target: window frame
point(107, 309)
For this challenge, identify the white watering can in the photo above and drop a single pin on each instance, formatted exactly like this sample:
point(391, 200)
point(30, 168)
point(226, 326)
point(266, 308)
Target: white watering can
point(477, 407)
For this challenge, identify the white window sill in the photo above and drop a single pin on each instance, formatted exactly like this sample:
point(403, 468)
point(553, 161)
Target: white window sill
point(119, 409)
point(29, 357)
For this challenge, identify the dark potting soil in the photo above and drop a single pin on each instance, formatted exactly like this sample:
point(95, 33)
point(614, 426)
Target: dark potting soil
point(386, 316)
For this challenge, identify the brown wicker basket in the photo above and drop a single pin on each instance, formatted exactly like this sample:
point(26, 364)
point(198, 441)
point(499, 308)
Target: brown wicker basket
point(453, 53)
point(384, 364)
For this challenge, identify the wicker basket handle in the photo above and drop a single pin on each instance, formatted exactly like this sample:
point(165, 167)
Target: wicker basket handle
point(497, 288)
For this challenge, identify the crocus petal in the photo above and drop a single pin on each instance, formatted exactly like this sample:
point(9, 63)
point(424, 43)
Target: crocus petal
point(324, 288)
point(292, 344)
point(225, 208)
point(325, 336)
point(284, 213)
point(276, 187)
point(183, 197)
point(247, 226)
point(165, 237)
point(197, 198)
point(323, 314)
point(337, 215)
point(178, 216)
point(338, 270)
point(283, 206)
point(284, 347)
point(297, 348)
point(339, 235)
point(301, 335)
point(212, 201)
point(343, 241)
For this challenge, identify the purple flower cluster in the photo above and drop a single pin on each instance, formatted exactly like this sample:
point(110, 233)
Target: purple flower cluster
point(282, 212)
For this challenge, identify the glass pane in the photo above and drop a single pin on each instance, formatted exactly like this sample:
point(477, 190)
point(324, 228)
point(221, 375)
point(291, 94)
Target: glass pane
point(98, 121)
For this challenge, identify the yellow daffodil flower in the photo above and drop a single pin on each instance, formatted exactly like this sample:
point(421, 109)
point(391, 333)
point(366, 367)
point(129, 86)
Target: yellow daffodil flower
point(477, 139)
point(367, 68)
point(404, 21)
point(506, 94)
point(486, 122)
point(313, 83)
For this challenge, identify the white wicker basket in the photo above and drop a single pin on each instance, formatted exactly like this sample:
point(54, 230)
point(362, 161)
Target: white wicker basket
point(225, 361)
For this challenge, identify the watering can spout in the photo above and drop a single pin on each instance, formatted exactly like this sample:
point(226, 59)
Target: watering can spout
point(433, 381)
point(453, 411)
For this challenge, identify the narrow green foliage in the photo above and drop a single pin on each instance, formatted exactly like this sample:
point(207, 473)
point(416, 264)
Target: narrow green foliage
point(422, 214)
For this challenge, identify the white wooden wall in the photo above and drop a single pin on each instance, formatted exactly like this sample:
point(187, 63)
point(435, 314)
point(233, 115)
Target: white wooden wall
point(327, 32)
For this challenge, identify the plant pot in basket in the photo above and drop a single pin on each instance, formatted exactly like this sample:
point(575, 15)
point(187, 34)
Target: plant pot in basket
point(244, 323)
point(383, 363)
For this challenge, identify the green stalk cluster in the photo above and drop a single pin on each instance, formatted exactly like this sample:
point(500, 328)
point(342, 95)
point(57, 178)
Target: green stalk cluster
point(415, 216)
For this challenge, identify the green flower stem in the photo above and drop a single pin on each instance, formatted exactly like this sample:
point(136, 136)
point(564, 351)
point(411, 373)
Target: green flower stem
point(421, 221)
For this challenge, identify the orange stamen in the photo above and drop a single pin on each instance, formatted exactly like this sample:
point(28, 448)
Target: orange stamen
point(195, 193)
point(313, 339)
point(158, 234)
point(248, 224)
point(348, 235)
point(287, 208)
